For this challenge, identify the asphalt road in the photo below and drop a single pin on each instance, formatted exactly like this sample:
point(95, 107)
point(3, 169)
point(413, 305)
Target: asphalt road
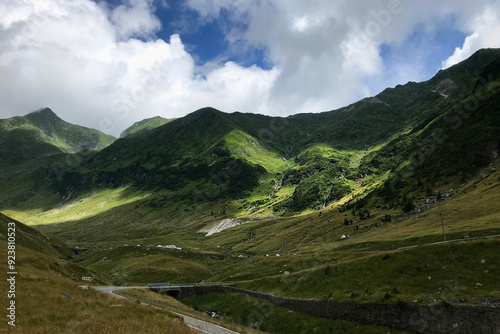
point(199, 325)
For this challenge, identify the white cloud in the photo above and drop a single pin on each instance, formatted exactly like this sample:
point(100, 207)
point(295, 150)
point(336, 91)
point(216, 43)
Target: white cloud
point(103, 67)
point(135, 18)
point(484, 33)
point(78, 58)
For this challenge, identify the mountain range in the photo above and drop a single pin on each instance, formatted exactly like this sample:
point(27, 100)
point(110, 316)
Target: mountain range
point(246, 164)
point(328, 205)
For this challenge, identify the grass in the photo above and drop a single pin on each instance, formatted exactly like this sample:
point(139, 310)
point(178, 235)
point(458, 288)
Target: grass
point(41, 306)
point(142, 264)
point(242, 145)
point(145, 125)
point(267, 317)
point(454, 273)
point(314, 238)
point(170, 304)
point(87, 205)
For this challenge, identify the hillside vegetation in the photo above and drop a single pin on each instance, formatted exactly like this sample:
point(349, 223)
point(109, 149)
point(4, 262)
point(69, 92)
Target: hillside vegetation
point(48, 299)
point(398, 147)
point(145, 126)
point(345, 205)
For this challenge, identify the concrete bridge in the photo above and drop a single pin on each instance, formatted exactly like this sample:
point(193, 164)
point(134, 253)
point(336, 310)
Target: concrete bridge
point(178, 291)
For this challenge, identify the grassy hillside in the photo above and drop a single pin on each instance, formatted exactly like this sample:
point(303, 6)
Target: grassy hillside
point(45, 127)
point(318, 159)
point(40, 139)
point(389, 171)
point(144, 126)
point(48, 300)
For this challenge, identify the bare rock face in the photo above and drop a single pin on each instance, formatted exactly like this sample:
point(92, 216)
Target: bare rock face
point(445, 87)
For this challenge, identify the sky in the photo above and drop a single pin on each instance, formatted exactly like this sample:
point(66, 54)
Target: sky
point(108, 64)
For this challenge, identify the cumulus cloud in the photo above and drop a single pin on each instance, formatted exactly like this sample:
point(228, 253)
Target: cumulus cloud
point(84, 61)
point(104, 67)
point(484, 33)
point(328, 52)
point(135, 18)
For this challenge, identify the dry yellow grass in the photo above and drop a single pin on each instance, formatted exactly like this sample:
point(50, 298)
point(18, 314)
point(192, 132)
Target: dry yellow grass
point(41, 307)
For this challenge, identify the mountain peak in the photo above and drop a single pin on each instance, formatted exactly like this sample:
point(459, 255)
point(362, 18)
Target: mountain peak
point(207, 111)
point(46, 112)
point(145, 126)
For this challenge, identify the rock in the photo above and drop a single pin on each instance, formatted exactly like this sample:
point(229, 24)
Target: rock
point(66, 296)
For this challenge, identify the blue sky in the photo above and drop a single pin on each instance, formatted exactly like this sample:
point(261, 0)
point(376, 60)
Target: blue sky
point(205, 40)
point(107, 64)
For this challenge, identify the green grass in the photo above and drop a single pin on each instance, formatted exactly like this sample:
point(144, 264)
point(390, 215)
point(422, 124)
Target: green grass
point(141, 264)
point(428, 275)
point(267, 317)
point(242, 145)
point(166, 302)
point(145, 126)
point(85, 206)
point(315, 238)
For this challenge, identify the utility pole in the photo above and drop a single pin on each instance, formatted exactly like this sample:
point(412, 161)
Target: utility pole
point(442, 225)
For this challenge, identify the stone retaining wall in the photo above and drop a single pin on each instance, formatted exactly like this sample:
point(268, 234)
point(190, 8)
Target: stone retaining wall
point(437, 319)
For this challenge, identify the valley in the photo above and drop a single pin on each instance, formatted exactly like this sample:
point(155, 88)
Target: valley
point(393, 200)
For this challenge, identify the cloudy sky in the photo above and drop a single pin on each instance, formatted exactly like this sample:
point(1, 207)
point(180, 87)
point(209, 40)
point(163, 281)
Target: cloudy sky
point(107, 64)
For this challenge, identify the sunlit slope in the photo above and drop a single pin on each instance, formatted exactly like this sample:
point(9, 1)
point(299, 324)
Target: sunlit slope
point(145, 126)
point(389, 152)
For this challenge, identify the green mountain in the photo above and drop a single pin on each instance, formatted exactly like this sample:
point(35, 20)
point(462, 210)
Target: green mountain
point(39, 139)
point(145, 125)
point(43, 133)
point(248, 164)
point(392, 150)
point(217, 196)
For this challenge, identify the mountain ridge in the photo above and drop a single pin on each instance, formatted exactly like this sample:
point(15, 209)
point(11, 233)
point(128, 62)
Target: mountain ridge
point(45, 126)
point(145, 125)
point(242, 164)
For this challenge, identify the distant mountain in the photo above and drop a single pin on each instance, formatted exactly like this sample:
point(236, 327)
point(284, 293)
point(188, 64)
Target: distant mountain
point(145, 126)
point(43, 133)
point(40, 139)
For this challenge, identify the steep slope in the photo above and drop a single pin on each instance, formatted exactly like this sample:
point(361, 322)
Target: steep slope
point(30, 241)
point(184, 153)
point(211, 165)
point(451, 148)
point(40, 139)
point(144, 126)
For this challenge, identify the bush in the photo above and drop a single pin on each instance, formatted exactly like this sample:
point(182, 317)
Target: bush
point(409, 206)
